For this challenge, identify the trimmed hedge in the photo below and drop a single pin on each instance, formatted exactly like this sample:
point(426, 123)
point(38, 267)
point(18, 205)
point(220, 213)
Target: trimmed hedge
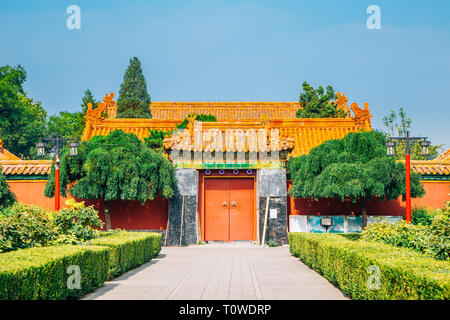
point(129, 249)
point(41, 273)
point(404, 273)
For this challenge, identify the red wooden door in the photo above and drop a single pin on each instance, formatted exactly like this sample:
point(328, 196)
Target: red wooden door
point(229, 209)
point(217, 220)
point(242, 217)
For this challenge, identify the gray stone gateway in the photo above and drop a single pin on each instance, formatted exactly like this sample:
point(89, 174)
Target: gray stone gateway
point(266, 218)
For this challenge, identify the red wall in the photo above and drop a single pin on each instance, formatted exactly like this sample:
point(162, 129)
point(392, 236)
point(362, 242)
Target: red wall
point(132, 215)
point(436, 193)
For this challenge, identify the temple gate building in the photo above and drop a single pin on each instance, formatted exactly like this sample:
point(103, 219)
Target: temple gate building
point(231, 173)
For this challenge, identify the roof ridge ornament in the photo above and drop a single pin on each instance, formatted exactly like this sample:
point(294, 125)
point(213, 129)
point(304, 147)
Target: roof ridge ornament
point(362, 116)
point(342, 103)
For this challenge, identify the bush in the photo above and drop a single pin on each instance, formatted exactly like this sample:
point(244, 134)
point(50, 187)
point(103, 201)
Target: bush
point(404, 273)
point(24, 226)
point(129, 249)
point(351, 236)
point(42, 273)
point(433, 240)
point(78, 220)
point(439, 237)
point(422, 216)
point(272, 244)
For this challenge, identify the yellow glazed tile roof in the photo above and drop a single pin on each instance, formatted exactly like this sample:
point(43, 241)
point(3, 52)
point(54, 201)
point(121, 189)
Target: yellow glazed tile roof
point(5, 154)
point(302, 134)
point(13, 165)
point(26, 167)
point(437, 166)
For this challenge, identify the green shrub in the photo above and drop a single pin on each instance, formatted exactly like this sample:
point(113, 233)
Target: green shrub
point(129, 249)
point(78, 220)
point(23, 226)
point(272, 243)
point(350, 236)
point(433, 240)
point(42, 273)
point(422, 216)
point(404, 273)
point(438, 240)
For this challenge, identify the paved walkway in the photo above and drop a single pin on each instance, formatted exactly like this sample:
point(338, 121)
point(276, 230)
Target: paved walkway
point(235, 272)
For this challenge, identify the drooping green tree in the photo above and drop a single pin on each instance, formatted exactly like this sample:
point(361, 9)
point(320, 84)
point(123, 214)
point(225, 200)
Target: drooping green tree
point(316, 103)
point(7, 197)
point(117, 166)
point(397, 124)
point(22, 120)
point(355, 167)
point(134, 100)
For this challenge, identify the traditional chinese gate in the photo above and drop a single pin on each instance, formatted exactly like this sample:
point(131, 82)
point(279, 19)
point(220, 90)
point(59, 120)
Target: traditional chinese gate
point(229, 208)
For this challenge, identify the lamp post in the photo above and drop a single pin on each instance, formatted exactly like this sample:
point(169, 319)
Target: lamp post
point(424, 144)
point(73, 145)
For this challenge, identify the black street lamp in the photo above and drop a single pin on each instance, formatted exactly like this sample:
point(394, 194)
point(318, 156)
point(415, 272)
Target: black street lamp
point(73, 145)
point(390, 145)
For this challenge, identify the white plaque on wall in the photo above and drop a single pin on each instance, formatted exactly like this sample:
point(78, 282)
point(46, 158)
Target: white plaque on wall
point(273, 213)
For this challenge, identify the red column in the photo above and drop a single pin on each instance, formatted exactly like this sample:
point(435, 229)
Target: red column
point(57, 197)
point(408, 188)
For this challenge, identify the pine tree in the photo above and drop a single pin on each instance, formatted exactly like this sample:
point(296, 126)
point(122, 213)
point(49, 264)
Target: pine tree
point(134, 100)
point(88, 98)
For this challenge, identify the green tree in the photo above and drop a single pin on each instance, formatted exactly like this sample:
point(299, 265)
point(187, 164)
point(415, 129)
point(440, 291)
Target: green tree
point(88, 98)
point(397, 124)
point(197, 117)
point(316, 103)
point(117, 166)
point(66, 124)
point(7, 197)
point(134, 100)
point(355, 167)
point(23, 121)
point(155, 140)
point(71, 124)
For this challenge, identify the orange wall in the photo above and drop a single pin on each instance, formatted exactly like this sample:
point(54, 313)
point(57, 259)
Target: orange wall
point(32, 192)
point(436, 193)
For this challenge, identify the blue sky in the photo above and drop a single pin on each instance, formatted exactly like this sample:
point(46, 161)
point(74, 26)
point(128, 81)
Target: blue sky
point(230, 50)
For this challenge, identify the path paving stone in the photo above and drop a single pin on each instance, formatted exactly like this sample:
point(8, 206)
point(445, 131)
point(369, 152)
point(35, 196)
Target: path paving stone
point(210, 272)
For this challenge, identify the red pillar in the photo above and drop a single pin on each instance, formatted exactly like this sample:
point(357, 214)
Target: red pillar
point(408, 188)
point(57, 197)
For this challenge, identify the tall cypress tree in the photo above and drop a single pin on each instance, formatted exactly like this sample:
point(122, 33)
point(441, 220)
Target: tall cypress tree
point(88, 98)
point(134, 99)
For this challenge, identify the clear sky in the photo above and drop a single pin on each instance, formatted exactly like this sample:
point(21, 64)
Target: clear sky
point(230, 50)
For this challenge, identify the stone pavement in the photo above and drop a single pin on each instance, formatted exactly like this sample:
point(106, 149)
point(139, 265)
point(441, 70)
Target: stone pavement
point(235, 272)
